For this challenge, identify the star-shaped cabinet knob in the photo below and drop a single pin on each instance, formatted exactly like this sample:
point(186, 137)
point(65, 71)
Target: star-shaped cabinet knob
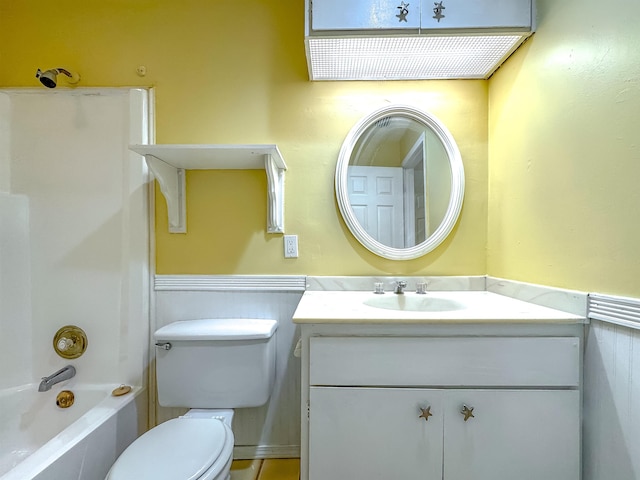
point(426, 413)
point(404, 11)
point(467, 412)
point(437, 10)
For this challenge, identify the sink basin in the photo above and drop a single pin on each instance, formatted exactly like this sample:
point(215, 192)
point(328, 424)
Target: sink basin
point(414, 303)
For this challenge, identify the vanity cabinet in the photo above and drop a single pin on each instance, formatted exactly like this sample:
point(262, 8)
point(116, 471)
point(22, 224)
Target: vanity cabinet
point(378, 433)
point(441, 404)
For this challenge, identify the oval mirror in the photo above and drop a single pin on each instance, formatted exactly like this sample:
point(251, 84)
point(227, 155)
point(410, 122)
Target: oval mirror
point(399, 182)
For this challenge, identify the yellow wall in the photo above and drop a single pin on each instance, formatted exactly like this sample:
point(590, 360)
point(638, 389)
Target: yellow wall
point(564, 149)
point(562, 193)
point(229, 72)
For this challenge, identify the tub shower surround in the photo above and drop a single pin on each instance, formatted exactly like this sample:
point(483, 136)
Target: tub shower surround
point(74, 249)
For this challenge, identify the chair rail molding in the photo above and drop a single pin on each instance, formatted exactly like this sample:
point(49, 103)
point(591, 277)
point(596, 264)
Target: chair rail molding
point(265, 283)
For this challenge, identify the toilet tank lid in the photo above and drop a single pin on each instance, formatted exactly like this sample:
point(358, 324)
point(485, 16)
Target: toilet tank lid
point(218, 329)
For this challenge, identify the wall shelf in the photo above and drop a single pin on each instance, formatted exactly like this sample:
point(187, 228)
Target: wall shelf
point(169, 162)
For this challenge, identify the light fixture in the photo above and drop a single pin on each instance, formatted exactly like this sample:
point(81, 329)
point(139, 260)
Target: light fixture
point(408, 58)
point(368, 41)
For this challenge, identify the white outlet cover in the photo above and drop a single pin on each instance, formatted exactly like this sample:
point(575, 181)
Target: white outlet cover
point(290, 246)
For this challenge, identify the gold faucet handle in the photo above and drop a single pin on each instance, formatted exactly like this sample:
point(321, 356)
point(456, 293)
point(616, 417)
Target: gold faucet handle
point(70, 341)
point(65, 343)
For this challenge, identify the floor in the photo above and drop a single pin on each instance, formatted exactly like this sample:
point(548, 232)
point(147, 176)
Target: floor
point(268, 469)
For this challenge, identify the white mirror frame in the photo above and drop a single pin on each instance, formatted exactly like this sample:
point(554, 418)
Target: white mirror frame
point(457, 183)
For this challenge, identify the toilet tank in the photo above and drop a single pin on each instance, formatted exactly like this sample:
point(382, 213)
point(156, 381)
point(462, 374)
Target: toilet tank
point(216, 363)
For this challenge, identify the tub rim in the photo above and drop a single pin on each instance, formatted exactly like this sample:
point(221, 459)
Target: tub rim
point(70, 436)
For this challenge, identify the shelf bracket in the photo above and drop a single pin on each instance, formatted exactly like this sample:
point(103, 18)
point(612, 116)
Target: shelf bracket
point(169, 163)
point(275, 195)
point(173, 187)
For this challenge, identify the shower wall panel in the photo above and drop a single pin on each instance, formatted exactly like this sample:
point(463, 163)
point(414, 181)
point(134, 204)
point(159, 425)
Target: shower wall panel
point(87, 232)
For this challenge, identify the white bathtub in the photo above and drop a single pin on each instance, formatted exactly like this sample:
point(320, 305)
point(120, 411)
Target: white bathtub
point(39, 440)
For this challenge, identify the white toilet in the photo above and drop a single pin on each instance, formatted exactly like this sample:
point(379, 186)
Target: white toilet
point(203, 365)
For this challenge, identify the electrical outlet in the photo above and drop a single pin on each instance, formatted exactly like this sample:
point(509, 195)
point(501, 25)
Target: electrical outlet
point(290, 246)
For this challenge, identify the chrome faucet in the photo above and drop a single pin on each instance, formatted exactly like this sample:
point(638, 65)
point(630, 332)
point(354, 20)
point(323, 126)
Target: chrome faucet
point(400, 286)
point(61, 375)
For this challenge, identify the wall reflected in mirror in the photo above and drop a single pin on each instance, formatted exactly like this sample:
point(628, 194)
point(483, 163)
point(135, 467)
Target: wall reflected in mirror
point(399, 181)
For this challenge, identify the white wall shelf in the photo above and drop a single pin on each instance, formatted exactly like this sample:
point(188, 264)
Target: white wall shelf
point(168, 163)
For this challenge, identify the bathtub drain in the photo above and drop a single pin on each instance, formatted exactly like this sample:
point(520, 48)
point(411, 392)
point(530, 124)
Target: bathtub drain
point(65, 399)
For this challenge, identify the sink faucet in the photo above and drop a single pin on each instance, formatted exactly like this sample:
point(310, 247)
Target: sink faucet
point(400, 286)
point(61, 375)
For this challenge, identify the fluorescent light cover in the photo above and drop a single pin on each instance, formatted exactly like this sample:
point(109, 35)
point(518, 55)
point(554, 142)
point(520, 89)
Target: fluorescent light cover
point(408, 58)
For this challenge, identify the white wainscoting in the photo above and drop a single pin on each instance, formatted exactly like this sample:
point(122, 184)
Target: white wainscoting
point(274, 429)
point(611, 440)
point(611, 369)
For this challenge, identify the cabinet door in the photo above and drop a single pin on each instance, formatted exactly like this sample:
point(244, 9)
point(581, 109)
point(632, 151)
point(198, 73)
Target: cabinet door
point(524, 435)
point(374, 433)
point(476, 14)
point(364, 14)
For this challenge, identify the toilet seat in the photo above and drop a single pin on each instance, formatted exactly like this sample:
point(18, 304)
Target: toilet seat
point(179, 449)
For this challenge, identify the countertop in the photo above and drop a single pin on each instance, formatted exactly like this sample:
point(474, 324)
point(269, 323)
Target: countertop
point(349, 307)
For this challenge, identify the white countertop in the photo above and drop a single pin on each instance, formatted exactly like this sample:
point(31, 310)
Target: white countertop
point(475, 307)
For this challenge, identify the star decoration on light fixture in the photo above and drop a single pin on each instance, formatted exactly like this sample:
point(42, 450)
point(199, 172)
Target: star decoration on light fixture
point(426, 413)
point(404, 11)
point(438, 11)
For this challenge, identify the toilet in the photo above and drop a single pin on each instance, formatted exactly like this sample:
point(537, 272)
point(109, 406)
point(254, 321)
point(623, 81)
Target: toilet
point(210, 366)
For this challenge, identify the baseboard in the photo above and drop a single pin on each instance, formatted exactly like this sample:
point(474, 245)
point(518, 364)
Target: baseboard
point(266, 451)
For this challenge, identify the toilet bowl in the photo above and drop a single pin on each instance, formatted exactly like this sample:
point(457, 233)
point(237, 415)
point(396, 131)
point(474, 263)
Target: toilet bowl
point(206, 364)
point(189, 448)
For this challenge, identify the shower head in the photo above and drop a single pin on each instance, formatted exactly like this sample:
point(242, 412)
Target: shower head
point(49, 78)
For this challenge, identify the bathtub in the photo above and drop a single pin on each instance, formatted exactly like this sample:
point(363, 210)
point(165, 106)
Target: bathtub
point(39, 440)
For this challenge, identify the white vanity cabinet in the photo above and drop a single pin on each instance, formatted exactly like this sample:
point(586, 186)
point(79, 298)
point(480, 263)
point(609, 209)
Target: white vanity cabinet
point(369, 433)
point(373, 433)
point(368, 389)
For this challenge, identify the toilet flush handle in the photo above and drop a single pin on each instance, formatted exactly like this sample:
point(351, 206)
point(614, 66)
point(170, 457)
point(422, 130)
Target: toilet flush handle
point(164, 345)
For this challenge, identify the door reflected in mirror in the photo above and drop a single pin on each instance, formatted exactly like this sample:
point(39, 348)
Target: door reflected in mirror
point(399, 182)
point(398, 177)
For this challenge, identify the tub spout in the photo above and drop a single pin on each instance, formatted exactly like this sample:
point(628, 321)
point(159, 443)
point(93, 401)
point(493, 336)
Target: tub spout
point(61, 375)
